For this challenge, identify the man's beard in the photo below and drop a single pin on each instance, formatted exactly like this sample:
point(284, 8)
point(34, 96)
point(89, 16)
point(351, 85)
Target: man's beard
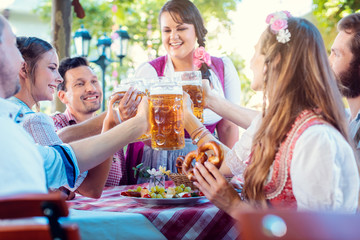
point(92, 109)
point(350, 80)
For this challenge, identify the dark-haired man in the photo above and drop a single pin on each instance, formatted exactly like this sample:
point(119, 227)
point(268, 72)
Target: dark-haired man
point(345, 62)
point(82, 94)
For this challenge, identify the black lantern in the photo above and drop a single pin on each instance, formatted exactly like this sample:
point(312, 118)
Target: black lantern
point(82, 39)
point(121, 44)
point(103, 45)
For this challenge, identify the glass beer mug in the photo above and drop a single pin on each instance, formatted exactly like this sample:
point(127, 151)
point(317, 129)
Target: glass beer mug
point(166, 115)
point(192, 84)
point(121, 90)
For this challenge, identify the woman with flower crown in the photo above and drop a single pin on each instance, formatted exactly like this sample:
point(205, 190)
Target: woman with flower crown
point(296, 154)
point(181, 27)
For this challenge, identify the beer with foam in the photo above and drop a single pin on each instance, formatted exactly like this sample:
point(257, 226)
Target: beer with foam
point(192, 84)
point(166, 116)
point(121, 90)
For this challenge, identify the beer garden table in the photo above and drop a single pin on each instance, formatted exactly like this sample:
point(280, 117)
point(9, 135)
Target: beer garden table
point(199, 221)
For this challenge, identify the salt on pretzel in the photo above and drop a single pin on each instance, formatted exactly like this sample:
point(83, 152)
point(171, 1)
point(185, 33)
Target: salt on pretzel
point(201, 156)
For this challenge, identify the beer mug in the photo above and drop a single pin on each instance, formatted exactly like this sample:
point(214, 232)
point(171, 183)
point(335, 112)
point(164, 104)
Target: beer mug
point(166, 116)
point(192, 84)
point(121, 90)
point(148, 82)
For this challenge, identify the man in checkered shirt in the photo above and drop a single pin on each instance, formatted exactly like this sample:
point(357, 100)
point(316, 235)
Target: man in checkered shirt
point(82, 94)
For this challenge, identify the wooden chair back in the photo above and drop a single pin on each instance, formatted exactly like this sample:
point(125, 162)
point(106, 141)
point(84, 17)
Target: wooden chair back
point(52, 206)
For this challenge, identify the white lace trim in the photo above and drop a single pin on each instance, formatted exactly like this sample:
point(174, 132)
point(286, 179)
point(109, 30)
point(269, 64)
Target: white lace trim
point(237, 159)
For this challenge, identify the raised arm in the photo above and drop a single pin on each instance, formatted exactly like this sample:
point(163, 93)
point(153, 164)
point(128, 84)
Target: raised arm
point(94, 150)
point(240, 116)
point(95, 180)
point(127, 109)
point(82, 130)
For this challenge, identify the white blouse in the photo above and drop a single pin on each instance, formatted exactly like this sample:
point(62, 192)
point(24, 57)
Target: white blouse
point(323, 170)
point(231, 83)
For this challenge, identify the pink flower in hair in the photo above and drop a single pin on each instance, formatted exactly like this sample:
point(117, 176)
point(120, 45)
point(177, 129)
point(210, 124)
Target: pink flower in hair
point(199, 53)
point(278, 25)
point(288, 14)
point(200, 57)
point(197, 63)
point(207, 59)
point(278, 22)
point(269, 17)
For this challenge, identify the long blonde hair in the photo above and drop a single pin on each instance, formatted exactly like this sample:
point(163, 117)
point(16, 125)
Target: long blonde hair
point(298, 77)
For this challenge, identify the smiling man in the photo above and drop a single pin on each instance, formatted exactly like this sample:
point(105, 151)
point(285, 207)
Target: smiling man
point(80, 92)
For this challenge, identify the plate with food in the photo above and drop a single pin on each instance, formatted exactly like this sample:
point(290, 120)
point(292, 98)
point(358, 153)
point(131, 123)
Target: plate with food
point(179, 195)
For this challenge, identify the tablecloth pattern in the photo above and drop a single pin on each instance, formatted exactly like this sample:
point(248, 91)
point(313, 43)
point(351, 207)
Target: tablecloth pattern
point(200, 221)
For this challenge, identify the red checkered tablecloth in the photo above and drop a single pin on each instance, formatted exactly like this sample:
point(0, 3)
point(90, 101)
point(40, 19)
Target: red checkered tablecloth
point(200, 221)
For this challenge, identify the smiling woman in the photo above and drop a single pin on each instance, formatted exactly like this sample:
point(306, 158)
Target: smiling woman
point(182, 32)
point(39, 78)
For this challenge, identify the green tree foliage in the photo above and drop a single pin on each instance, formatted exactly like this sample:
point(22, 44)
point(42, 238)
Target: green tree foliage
point(98, 17)
point(140, 16)
point(329, 12)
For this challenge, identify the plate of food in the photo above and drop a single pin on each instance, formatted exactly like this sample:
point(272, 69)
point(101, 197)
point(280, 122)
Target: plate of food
point(179, 195)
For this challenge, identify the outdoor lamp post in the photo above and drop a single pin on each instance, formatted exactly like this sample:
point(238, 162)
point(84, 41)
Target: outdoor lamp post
point(121, 44)
point(82, 39)
point(103, 45)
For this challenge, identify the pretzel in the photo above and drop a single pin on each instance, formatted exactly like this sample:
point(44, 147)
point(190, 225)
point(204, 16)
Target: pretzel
point(201, 156)
point(179, 163)
point(218, 156)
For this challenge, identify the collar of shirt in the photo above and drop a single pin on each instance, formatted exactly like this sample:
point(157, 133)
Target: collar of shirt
point(70, 118)
point(24, 108)
point(11, 110)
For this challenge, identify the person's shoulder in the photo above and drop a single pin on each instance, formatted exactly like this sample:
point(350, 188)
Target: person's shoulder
point(38, 117)
point(227, 61)
point(326, 137)
point(223, 60)
point(145, 70)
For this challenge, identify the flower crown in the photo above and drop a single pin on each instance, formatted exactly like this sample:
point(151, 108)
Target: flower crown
point(200, 57)
point(278, 25)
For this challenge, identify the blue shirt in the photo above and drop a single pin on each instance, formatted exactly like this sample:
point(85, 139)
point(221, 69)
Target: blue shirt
point(57, 164)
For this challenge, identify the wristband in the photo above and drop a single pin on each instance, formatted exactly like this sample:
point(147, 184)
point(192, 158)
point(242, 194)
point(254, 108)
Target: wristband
point(203, 134)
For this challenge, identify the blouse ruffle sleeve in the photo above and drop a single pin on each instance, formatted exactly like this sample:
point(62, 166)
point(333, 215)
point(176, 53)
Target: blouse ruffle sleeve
point(237, 159)
point(323, 171)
